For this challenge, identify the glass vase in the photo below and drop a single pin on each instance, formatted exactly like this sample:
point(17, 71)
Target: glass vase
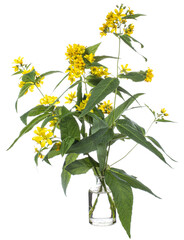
point(102, 211)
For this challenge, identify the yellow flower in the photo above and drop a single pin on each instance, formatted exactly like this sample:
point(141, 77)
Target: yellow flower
point(149, 75)
point(58, 146)
point(99, 71)
point(16, 68)
point(163, 110)
point(70, 97)
point(90, 57)
point(106, 107)
point(83, 104)
point(48, 100)
point(43, 136)
point(19, 60)
point(131, 12)
point(129, 30)
point(27, 70)
point(125, 69)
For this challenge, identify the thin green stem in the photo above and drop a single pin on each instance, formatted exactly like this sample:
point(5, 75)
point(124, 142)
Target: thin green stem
point(117, 76)
point(39, 90)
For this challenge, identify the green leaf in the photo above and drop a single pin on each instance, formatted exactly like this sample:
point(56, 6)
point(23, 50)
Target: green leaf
point(98, 123)
point(49, 73)
point(104, 87)
point(66, 144)
point(79, 94)
point(135, 132)
point(102, 154)
point(69, 126)
point(133, 16)
point(90, 143)
point(92, 49)
point(154, 141)
point(81, 166)
point(164, 120)
point(22, 92)
point(28, 127)
point(134, 76)
point(131, 180)
point(93, 80)
point(123, 198)
point(33, 112)
point(51, 153)
point(100, 58)
point(61, 81)
point(116, 113)
point(65, 175)
point(29, 77)
point(128, 40)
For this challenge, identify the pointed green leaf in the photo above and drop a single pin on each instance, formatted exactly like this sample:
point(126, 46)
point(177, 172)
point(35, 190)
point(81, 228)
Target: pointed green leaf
point(79, 93)
point(100, 58)
point(104, 87)
point(81, 166)
point(131, 180)
point(28, 127)
point(92, 49)
point(128, 40)
point(69, 126)
point(123, 198)
point(65, 175)
point(33, 112)
point(159, 146)
point(116, 113)
point(66, 144)
point(102, 154)
point(48, 73)
point(134, 76)
point(61, 81)
point(133, 16)
point(164, 120)
point(90, 143)
point(22, 92)
point(135, 132)
point(98, 123)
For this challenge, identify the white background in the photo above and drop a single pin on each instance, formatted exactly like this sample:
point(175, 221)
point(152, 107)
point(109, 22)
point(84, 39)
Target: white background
point(32, 203)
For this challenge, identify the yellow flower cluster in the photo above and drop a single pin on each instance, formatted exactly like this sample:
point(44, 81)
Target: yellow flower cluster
point(125, 69)
point(48, 100)
point(129, 30)
point(18, 61)
point(70, 97)
point(83, 103)
point(43, 136)
point(163, 111)
point(149, 75)
point(99, 71)
point(114, 20)
point(74, 55)
point(106, 107)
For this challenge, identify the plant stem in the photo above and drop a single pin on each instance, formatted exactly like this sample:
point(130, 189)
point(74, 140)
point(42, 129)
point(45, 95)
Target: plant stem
point(39, 91)
point(117, 76)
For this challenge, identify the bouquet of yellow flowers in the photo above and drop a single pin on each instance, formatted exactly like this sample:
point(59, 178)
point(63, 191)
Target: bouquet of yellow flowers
point(93, 123)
